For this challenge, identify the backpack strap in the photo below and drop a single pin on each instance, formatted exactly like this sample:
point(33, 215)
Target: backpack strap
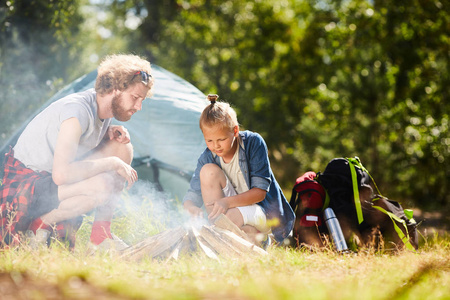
point(327, 197)
point(293, 202)
point(355, 191)
point(352, 163)
point(327, 200)
point(355, 161)
point(403, 237)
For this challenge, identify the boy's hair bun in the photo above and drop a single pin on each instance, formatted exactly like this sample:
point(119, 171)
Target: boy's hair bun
point(212, 98)
point(218, 113)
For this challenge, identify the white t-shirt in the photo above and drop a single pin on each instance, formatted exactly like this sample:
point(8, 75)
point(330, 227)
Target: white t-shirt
point(36, 145)
point(234, 173)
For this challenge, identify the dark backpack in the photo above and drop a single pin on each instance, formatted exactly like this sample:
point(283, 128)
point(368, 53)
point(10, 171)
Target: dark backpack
point(342, 182)
point(363, 216)
point(361, 213)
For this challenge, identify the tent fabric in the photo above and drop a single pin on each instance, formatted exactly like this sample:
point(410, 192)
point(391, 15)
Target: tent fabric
point(167, 127)
point(164, 133)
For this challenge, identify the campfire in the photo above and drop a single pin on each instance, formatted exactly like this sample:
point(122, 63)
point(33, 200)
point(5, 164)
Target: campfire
point(223, 238)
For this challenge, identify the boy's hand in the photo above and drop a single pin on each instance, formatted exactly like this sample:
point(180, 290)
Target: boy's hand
point(192, 209)
point(195, 212)
point(219, 206)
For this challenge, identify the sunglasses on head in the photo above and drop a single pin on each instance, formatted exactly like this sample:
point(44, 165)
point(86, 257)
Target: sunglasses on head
point(145, 77)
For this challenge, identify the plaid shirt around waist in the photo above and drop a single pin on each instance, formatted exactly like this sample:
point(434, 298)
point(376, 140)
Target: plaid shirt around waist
point(16, 196)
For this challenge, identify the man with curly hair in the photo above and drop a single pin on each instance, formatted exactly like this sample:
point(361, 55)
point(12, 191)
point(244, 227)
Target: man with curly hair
point(70, 160)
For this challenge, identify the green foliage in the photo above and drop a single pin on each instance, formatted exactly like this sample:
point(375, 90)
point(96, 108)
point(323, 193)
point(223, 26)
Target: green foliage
point(38, 47)
point(318, 79)
point(324, 79)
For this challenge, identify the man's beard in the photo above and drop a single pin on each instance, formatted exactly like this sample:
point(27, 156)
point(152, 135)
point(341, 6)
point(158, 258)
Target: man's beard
point(119, 112)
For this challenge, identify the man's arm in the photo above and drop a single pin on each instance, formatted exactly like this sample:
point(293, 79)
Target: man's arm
point(192, 209)
point(66, 170)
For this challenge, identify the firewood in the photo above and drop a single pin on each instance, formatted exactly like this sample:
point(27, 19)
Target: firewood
point(217, 243)
point(188, 244)
point(164, 242)
point(212, 240)
point(141, 245)
point(192, 240)
point(224, 222)
point(203, 245)
point(167, 243)
point(239, 243)
point(177, 249)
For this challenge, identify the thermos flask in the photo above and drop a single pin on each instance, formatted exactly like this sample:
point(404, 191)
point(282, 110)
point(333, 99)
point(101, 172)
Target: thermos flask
point(335, 230)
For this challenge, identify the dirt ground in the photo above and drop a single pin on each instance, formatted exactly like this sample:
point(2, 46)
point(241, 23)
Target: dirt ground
point(20, 286)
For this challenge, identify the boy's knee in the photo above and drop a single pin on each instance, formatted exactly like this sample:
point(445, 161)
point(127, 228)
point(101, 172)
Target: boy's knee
point(235, 216)
point(212, 174)
point(210, 171)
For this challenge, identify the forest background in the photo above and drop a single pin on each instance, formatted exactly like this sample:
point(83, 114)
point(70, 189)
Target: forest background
point(317, 79)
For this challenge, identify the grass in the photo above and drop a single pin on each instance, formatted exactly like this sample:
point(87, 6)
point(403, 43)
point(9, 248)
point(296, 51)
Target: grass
point(285, 273)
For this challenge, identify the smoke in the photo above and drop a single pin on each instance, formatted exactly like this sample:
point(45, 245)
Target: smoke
point(144, 211)
point(25, 87)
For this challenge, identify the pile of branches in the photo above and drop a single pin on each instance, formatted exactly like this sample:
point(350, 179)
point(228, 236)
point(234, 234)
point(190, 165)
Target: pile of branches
point(223, 238)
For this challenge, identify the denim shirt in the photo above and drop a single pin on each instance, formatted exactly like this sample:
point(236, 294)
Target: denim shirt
point(255, 166)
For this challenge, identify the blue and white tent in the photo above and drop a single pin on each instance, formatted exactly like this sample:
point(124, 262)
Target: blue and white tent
point(165, 134)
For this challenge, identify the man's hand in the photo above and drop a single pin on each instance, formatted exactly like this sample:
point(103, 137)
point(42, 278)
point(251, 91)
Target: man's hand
point(119, 133)
point(126, 171)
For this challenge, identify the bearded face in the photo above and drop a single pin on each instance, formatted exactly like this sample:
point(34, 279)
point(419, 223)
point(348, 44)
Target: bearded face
point(119, 109)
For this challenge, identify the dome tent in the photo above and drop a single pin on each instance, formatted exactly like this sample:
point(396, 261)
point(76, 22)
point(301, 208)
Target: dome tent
point(165, 133)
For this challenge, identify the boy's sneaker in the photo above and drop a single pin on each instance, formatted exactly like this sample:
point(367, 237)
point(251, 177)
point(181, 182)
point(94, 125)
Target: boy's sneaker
point(263, 240)
point(266, 243)
point(39, 239)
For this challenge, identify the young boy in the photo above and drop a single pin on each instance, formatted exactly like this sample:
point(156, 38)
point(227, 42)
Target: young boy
point(233, 177)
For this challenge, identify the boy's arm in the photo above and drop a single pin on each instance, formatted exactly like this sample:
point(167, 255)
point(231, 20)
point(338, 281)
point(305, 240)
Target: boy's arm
point(192, 209)
point(249, 197)
point(193, 201)
point(66, 170)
